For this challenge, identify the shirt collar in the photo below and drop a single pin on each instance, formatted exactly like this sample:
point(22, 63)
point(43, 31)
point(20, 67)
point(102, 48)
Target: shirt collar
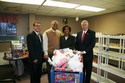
point(36, 32)
point(53, 30)
point(85, 31)
point(66, 37)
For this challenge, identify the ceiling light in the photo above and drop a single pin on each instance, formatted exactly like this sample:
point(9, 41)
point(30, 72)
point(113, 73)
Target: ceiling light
point(34, 2)
point(89, 8)
point(60, 4)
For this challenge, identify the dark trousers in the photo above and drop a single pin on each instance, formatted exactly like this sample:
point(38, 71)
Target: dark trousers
point(35, 72)
point(87, 71)
point(49, 69)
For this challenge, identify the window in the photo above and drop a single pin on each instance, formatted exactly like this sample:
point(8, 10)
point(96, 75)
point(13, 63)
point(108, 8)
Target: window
point(7, 31)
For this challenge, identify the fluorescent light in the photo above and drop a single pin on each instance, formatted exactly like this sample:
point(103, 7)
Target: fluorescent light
point(89, 8)
point(60, 4)
point(34, 2)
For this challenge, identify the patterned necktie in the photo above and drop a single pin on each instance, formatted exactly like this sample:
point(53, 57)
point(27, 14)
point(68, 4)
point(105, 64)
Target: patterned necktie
point(83, 36)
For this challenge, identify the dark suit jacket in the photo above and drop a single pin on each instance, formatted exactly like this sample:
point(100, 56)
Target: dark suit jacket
point(87, 45)
point(69, 43)
point(35, 47)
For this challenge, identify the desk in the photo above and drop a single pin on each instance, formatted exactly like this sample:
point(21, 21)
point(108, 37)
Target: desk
point(16, 66)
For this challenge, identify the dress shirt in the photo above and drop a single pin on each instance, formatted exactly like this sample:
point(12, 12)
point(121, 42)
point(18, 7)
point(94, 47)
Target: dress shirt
point(84, 31)
point(66, 37)
point(38, 34)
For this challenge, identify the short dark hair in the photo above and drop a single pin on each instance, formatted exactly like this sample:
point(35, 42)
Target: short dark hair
point(65, 28)
point(35, 23)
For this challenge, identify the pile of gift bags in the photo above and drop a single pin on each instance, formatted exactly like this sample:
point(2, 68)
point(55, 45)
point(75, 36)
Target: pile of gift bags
point(66, 60)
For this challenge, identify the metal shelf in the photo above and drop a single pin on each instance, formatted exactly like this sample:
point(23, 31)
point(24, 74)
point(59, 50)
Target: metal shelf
point(103, 49)
point(110, 69)
point(103, 80)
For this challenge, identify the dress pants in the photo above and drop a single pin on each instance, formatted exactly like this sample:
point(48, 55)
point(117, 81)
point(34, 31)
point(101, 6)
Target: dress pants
point(35, 72)
point(87, 71)
point(49, 68)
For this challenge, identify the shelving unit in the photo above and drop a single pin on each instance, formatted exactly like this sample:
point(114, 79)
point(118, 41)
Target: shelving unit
point(17, 51)
point(103, 80)
point(111, 69)
point(105, 49)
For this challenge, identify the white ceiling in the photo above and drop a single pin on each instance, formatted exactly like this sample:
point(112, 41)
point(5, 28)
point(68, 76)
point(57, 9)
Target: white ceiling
point(110, 5)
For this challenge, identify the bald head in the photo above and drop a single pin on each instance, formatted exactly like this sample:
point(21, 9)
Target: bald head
point(54, 25)
point(84, 24)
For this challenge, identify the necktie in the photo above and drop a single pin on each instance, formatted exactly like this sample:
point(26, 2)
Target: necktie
point(83, 36)
point(39, 37)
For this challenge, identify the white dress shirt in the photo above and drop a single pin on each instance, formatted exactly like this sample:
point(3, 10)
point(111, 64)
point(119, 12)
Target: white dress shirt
point(38, 34)
point(66, 37)
point(45, 42)
point(84, 31)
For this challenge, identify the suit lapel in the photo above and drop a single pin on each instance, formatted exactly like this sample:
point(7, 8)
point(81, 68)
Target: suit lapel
point(37, 38)
point(86, 36)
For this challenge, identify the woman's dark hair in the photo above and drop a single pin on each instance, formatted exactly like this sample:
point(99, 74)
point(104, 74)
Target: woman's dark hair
point(65, 28)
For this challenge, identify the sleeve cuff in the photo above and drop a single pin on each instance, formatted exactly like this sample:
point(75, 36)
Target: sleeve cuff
point(84, 52)
point(45, 53)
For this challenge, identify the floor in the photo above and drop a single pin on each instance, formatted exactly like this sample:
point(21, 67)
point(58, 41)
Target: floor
point(25, 79)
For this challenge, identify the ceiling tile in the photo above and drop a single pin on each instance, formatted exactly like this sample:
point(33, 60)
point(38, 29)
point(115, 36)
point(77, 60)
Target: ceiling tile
point(110, 5)
point(10, 4)
point(78, 1)
point(24, 6)
point(46, 8)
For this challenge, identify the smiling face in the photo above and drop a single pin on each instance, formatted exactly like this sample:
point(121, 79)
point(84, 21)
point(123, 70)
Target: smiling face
point(37, 27)
point(54, 25)
point(66, 30)
point(84, 25)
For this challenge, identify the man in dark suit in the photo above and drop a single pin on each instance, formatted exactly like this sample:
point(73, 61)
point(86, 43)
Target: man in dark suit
point(85, 42)
point(35, 48)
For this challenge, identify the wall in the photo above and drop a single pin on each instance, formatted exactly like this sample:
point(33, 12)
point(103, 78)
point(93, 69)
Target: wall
point(46, 21)
point(108, 23)
point(31, 21)
point(22, 26)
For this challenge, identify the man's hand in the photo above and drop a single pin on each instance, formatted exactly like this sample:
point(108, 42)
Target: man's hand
point(46, 57)
point(75, 51)
point(82, 52)
point(35, 61)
